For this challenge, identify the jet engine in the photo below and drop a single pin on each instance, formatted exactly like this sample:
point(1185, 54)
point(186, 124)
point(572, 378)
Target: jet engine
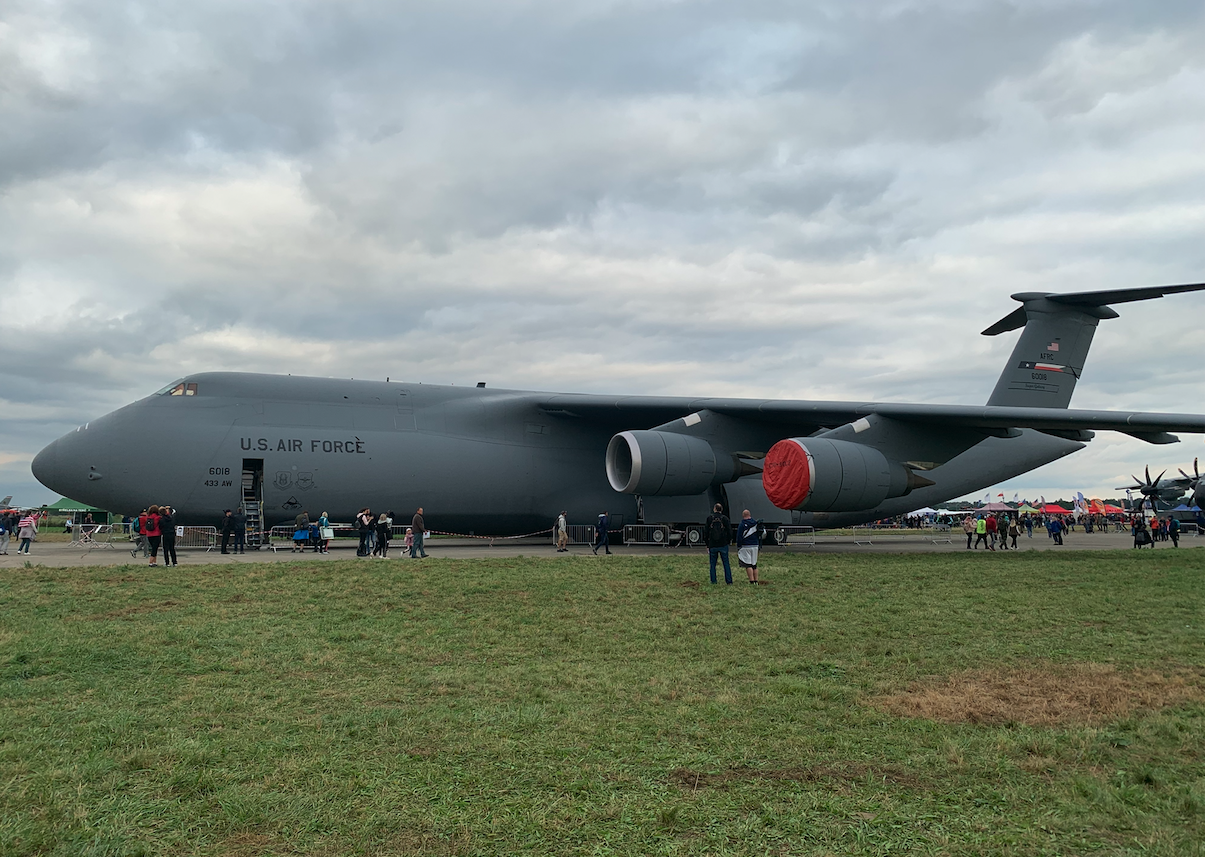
point(662, 463)
point(821, 475)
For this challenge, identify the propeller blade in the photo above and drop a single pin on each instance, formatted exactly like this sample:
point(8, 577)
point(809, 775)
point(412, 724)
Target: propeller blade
point(1155, 484)
point(1148, 474)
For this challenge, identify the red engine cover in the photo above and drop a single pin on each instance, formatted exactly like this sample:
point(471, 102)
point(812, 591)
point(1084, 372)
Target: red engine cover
point(788, 476)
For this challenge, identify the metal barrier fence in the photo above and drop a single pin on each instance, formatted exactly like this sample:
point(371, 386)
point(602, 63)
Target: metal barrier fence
point(197, 537)
point(650, 534)
point(580, 534)
point(796, 535)
point(186, 537)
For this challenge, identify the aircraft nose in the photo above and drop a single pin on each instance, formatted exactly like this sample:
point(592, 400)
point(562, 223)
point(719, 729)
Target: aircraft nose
point(64, 467)
point(45, 466)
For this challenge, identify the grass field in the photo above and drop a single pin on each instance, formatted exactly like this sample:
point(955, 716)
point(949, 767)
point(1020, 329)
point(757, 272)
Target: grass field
point(930, 704)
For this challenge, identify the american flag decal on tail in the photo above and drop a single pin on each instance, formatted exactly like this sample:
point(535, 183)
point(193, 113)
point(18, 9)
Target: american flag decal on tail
point(1048, 367)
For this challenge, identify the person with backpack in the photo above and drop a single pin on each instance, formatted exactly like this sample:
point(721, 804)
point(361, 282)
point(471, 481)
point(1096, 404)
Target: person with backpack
point(150, 529)
point(1173, 530)
point(748, 541)
point(719, 533)
point(137, 537)
point(1142, 536)
point(301, 531)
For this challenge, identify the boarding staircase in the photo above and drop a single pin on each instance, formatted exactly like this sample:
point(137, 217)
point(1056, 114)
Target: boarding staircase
point(253, 505)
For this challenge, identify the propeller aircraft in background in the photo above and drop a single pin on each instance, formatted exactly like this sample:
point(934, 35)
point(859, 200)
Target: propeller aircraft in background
point(1170, 491)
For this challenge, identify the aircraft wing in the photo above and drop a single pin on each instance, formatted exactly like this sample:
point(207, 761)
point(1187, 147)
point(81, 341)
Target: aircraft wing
point(641, 411)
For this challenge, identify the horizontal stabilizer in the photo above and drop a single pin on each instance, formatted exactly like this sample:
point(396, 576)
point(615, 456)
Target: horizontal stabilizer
point(1094, 300)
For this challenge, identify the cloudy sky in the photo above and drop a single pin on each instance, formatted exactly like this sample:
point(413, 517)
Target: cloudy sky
point(782, 199)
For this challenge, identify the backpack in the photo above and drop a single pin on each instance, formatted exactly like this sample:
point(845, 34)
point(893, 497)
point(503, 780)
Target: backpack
point(717, 533)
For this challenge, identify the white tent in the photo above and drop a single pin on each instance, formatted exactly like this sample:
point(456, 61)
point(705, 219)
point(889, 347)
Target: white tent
point(921, 512)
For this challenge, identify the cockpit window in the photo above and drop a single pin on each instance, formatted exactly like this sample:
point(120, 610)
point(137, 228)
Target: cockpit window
point(180, 388)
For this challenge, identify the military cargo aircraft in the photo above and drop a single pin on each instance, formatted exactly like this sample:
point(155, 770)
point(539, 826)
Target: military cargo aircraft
point(502, 462)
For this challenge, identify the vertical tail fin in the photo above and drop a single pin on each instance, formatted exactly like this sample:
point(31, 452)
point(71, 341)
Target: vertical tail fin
point(1058, 331)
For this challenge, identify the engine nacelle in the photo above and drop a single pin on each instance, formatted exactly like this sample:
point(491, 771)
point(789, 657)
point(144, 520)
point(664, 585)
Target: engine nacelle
point(820, 475)
point(662, 463)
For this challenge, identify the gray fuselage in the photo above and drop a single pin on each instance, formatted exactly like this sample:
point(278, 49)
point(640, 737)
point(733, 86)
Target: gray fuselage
point(480, 461)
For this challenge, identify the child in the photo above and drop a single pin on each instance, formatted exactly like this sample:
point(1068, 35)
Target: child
point(409, 542)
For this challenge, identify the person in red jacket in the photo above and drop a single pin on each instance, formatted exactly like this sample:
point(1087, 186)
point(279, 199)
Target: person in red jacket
point(991, 532)
point(152, 532)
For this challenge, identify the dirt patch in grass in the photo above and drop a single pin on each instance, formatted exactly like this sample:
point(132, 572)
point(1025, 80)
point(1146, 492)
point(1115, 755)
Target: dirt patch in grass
point(840, 772)
point(1044, 695)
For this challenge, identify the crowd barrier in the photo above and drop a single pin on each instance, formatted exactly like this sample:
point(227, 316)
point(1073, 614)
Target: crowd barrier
point(197, 537)
point(795, 534)
point(650, 534)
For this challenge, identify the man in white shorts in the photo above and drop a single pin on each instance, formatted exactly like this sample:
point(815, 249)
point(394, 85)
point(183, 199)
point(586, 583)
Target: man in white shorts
point(747, 543)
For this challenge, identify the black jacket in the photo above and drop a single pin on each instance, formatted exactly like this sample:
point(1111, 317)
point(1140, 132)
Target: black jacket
point(713, 540)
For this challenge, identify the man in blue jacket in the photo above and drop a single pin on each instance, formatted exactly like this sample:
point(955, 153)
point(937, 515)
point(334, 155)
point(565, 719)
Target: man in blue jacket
point(748, 540)
point(602, 537)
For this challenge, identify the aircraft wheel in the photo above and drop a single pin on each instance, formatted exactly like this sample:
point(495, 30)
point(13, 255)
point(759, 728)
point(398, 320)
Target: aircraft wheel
point(660, 535)
point(694, 536)
point(780, 536)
